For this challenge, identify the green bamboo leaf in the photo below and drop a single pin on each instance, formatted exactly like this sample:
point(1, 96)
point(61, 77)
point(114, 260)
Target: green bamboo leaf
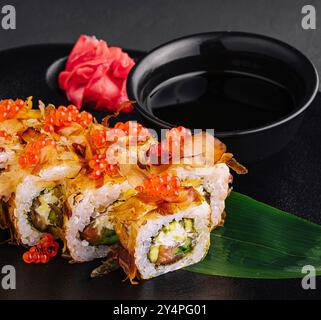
point(259, 241)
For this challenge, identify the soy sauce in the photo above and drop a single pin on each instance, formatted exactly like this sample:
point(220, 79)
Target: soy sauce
point(223, 101)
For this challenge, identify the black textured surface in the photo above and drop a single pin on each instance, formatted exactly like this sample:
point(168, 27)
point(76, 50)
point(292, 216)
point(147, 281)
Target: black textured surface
point(145, 24)
point(59, 280)
point(289, 181)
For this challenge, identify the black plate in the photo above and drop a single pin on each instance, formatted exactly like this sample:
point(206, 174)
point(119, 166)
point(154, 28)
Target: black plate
point(288, 180)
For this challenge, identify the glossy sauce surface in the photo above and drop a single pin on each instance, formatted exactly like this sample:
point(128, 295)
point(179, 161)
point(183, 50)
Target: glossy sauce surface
point(222, 101)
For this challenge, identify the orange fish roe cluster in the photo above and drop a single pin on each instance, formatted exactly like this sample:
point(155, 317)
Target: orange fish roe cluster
point(98, 138)
point(9, 108)
point(4, 134)
point(31, 155)
point(101, 137)
point(99, 166)
point(175, 139)
point(65, 116)
point(46, 249)
point(133, 129)
point(165, 186)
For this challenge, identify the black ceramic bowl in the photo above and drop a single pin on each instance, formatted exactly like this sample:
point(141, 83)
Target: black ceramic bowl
point(261, 89)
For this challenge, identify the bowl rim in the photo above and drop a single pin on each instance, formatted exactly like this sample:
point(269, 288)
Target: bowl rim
point(296, 112)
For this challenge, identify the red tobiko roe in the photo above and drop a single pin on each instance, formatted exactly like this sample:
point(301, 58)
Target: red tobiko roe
point(96, 74)
point(31, 156)
point(65, 116)
point(103, 137)
point(46, 249)
point(134, 129)
point(99, 166)
point(9, 108)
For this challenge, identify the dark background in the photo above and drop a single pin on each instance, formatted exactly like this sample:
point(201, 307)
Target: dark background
point(289, 180)
point(144, 24)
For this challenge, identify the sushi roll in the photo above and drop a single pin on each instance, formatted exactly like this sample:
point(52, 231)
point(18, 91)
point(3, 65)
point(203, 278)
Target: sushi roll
point(49, 159)
point(39, 203)
point(201, 161)
point(164, 227)
point(38, 208)
point(89, 230)
point(109, 180)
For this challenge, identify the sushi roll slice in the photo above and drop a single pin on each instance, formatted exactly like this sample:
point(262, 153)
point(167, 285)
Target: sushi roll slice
point(202, 162)
point(50, 160)
point(165, 227)
point(89, 230)
point(38, 204)
point(110, 178)
point(39, 207)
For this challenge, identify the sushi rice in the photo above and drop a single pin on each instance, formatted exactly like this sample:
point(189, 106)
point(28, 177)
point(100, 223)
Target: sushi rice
point(85, 206)
point(200, 215)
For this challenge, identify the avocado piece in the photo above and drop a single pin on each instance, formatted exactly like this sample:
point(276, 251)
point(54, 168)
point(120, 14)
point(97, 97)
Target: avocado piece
point(187, 246)
point(153, 253)
point(55, 216)
point(109, 237)
point(52, 217)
